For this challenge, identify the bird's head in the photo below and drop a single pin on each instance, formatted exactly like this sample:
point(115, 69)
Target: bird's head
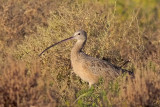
point(80, 35)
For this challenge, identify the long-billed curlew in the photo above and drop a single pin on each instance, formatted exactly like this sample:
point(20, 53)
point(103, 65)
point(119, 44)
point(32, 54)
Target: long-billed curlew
point(88, 68)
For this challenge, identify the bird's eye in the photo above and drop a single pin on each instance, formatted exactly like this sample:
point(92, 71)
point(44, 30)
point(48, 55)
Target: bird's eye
point(78, 33)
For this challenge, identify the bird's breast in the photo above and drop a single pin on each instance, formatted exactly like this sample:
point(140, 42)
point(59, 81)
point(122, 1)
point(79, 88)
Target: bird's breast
point(82, 71)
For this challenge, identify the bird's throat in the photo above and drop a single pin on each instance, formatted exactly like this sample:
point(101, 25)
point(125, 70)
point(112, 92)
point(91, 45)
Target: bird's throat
point(77, 48)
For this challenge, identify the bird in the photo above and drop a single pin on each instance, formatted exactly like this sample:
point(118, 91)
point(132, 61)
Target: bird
point(88, 68)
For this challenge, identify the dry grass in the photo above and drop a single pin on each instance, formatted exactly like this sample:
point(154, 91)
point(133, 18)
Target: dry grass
point(18, 87)
point(117, 31)
point(143, 90)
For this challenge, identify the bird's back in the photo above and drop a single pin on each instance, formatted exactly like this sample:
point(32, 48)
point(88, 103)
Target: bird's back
point(99, 67)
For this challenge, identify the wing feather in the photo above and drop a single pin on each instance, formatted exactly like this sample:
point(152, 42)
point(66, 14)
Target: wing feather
point(100, 67)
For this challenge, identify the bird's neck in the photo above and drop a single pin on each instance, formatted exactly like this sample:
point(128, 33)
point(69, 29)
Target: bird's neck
point(77, 48)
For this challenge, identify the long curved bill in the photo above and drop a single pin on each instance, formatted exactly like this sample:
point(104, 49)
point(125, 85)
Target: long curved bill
point(55, 44)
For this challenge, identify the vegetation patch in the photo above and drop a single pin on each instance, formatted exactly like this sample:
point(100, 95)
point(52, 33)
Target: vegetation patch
point(117, 32)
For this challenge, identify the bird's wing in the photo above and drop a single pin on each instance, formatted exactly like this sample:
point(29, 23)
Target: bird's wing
point(99, 67)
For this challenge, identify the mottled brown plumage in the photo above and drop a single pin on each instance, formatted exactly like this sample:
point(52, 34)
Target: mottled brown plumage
point(88, 68)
